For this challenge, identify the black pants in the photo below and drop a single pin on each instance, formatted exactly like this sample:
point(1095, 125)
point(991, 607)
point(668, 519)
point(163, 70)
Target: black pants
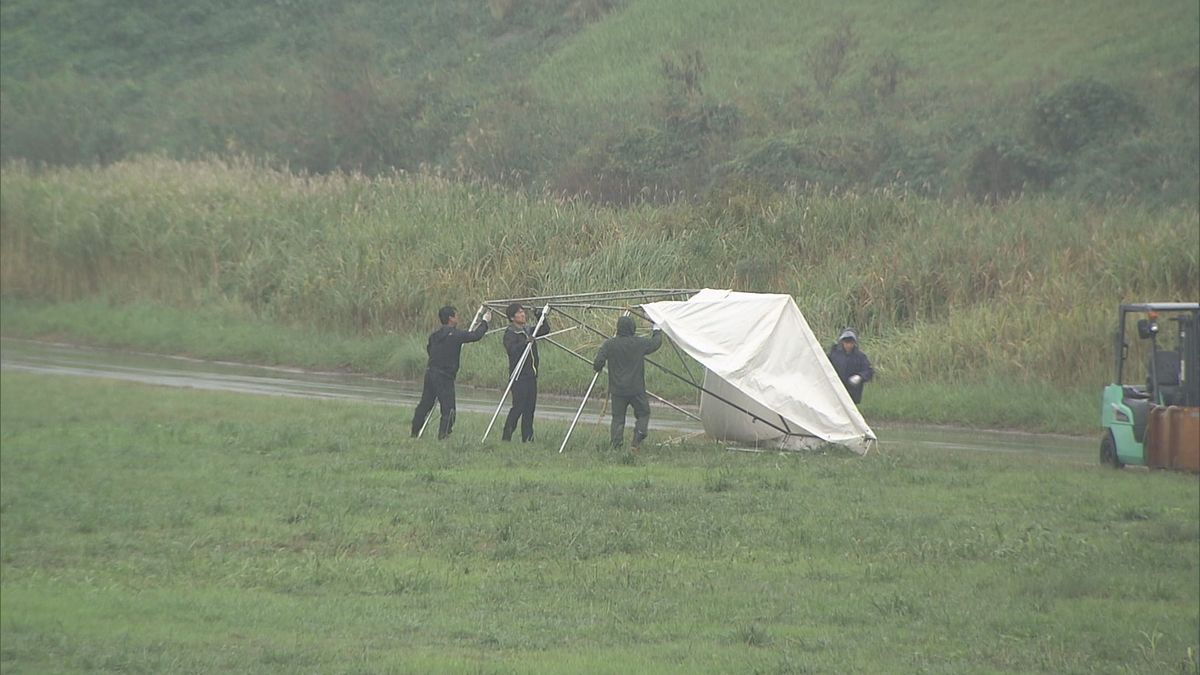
point(524, 400)
point(641, 412)
point(440, 387)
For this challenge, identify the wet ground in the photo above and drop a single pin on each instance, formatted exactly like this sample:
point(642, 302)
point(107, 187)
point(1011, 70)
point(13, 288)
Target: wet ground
point(174, 371)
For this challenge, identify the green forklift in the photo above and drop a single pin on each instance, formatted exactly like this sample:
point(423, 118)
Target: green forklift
point(1151, 411)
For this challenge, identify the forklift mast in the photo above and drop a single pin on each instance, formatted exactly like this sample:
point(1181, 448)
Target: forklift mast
point(1189, 348)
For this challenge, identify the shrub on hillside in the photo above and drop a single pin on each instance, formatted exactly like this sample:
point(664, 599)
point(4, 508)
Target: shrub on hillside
point(740, 203)
point(797, 159)
point(697, 119)
point(1152, 168)
point(508, 140)
point(67, 119)
point(1005, 168)
point(908, 162)
point(684, 74)
point(887, 70)
point(831, 56)
point(640, 165)
point(368, 124)
point(1081, 111)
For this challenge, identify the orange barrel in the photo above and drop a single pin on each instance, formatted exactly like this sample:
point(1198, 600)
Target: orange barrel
point(1183, 444)
point(1157, 446)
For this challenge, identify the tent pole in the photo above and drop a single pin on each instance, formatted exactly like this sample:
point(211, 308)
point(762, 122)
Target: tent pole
point(721, 398)
point(683, 379)
point(641, 293)
point(511, 378)
point(682, 362)
point(562, 330)
point(475, 321)
point(675, 407)
point(606, 336)
point(516, 371)
point(426, 423)
point(649, 393)
point(578, 413)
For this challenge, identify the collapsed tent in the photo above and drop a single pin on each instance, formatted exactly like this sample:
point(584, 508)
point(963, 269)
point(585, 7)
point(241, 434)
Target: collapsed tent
point(767, 379)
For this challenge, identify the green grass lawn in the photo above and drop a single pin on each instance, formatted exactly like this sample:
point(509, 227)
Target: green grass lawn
point(154, 530)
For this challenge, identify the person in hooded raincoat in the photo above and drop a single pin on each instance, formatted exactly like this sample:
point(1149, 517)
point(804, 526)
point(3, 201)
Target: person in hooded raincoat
point(444, 349)
point(517, 337)
point(625, 356)
point(852, 365)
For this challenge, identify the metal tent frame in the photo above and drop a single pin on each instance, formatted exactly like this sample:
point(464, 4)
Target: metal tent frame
point(626, 301)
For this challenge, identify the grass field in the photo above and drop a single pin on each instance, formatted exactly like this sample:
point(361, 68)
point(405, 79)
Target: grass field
point(153, 530)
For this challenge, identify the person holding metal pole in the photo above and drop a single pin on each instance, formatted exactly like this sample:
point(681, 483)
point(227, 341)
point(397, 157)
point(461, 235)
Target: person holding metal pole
point(625, 356)
point(517, 337)
point(444, 349)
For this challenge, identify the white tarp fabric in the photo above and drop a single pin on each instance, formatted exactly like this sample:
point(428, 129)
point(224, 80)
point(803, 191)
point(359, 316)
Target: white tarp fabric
point(760, 355)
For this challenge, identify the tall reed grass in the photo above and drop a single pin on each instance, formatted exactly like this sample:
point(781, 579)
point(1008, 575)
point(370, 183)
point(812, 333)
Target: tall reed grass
point(951, 291)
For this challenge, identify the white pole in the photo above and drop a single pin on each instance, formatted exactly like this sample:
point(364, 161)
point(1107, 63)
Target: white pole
point(561, 330)
point(577, 414)
point(513, 378)
point(426, 422)
point(475, 321)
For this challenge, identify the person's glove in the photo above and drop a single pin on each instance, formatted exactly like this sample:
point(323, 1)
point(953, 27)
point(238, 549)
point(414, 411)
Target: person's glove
point(856, 379)
point(487, 316)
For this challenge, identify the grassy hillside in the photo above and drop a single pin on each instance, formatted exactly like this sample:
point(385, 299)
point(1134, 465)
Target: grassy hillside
point(957, 50)
point(624, 101)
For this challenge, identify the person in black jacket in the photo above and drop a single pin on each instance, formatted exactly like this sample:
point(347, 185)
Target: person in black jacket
point(517, 336)
point(625, 355)
point(444, 349)
point(852, 365)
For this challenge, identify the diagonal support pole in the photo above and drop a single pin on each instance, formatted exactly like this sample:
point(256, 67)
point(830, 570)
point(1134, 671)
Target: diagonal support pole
point(651, 394)
point(575, 421)
point(478, 315)
point(677, 376)
point(426, 422)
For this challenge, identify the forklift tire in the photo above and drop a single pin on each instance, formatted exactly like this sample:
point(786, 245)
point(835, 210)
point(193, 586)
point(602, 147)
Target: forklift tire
point(1108, 451)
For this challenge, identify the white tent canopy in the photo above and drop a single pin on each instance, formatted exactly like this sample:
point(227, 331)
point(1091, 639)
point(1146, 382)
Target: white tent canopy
point(762, 359)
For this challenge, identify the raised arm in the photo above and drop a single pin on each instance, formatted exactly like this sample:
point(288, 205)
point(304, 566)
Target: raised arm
point(476, 335)
point(654, 341)
point(601, 357)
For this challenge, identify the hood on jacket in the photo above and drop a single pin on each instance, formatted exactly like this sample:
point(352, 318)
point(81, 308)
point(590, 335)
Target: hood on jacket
point(848, 334)
point(625, 326)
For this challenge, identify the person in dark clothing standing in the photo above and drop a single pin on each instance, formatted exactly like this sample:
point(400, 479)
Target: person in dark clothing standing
point(444, 349)
point(517, 336)
point(852, 365)
point(625, 355)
